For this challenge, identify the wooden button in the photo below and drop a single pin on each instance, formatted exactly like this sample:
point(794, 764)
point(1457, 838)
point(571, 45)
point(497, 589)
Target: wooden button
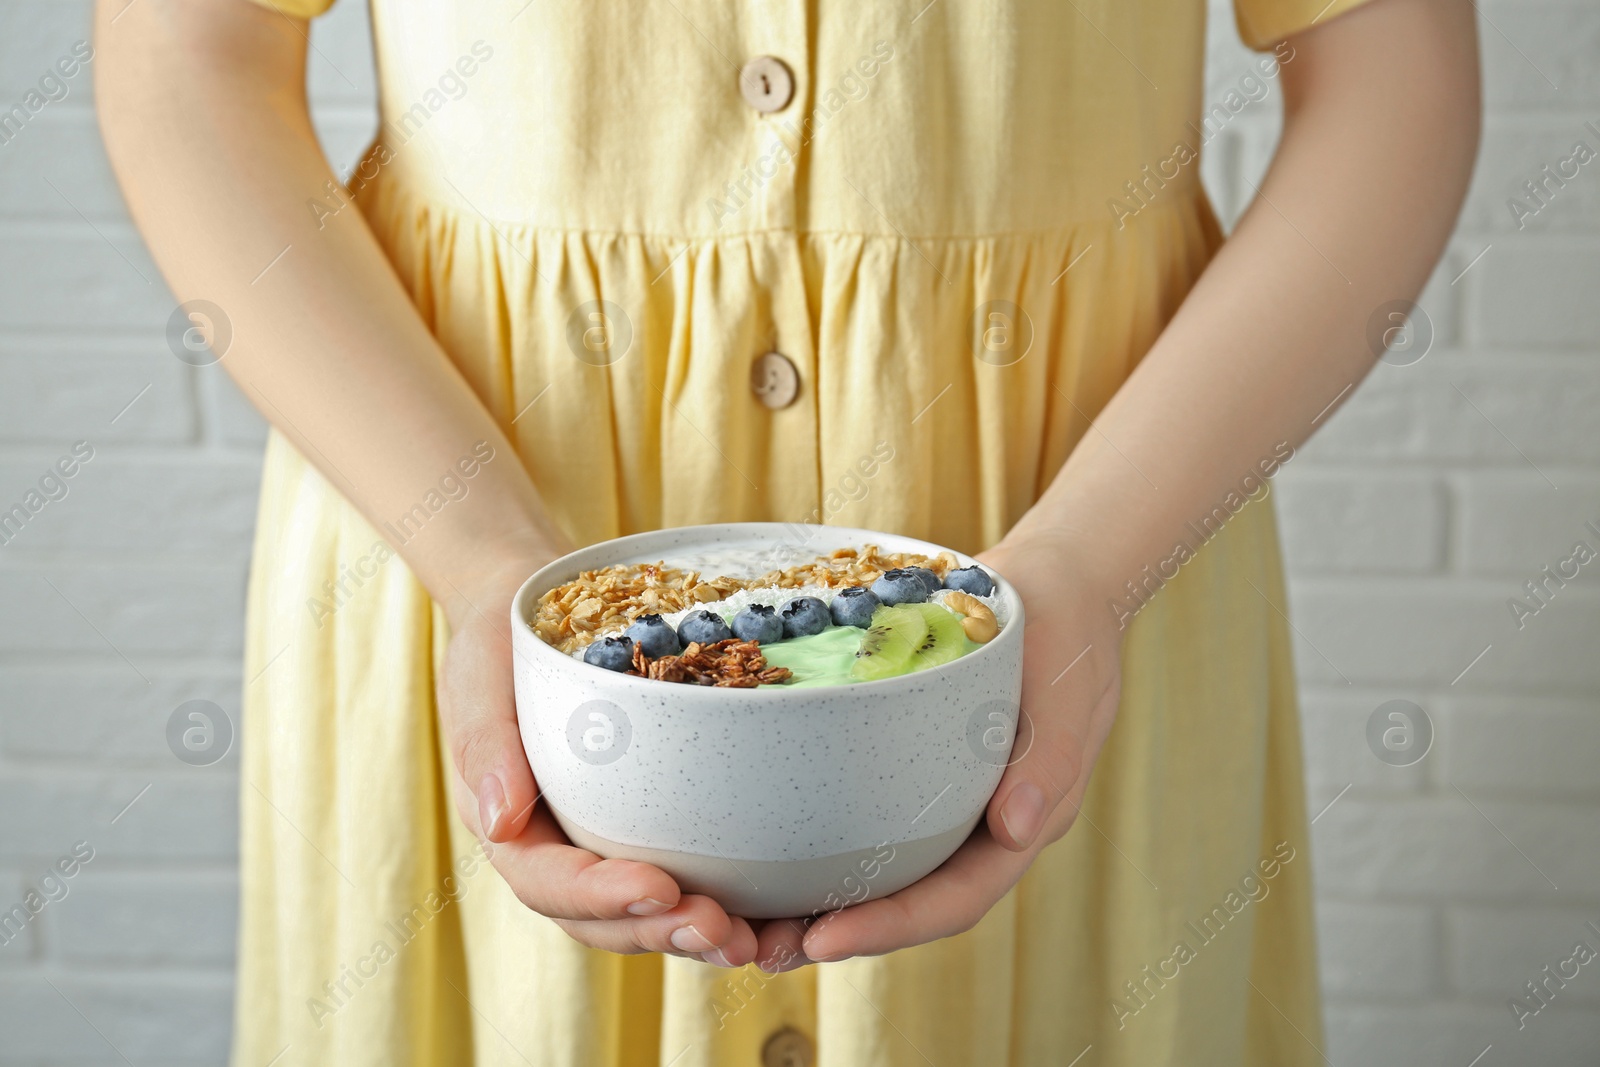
point(788, 1048)
point(774, 379)
point(766, 84)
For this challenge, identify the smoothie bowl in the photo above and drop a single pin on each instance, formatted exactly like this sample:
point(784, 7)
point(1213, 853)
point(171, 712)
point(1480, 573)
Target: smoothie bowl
point(788, 719)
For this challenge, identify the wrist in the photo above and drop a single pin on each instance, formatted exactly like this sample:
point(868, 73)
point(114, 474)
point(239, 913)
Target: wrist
point(1067, 553)
point(490, 575)
point(1061, 591)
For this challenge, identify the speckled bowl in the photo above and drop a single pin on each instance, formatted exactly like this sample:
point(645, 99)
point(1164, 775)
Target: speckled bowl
point(773, 802)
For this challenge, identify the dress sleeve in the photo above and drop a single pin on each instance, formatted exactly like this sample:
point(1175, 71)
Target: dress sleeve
point(1263, 23)
point(300, 9)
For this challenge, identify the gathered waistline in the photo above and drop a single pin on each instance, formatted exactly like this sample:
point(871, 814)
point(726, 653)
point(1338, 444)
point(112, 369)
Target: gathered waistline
point(393, 180)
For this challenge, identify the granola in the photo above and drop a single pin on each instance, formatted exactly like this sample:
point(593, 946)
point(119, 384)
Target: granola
point(607, 600)
point(730, 664)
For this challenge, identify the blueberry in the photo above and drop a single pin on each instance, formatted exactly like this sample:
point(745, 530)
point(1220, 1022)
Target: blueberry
point(758, 623)
point(703, 627)
point(974, 580)
point(613, 653)
point(804, 616)
point(929, 579)
point(900, 586)
point(854, 607)
point(655, 635)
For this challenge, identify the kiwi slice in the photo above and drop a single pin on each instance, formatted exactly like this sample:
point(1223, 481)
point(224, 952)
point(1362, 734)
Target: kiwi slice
point(889, 647)
point(945, 640)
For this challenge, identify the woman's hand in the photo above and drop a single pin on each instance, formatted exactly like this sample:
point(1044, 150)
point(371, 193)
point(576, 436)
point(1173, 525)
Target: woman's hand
point(617, 905)
point(1380, 131)
point(1071, 682)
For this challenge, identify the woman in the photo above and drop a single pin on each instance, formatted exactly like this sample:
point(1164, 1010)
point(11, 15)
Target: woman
point(690, 262)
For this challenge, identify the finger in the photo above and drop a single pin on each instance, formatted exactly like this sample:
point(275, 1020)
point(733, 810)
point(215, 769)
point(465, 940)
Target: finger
point(1062, 698)
point(947, 902)
point(478, 711)
point(779, 945)
point(558, 879)
point(697, 925)
point(738, 950)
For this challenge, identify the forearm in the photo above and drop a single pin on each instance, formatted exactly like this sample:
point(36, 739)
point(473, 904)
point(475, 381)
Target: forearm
point(205, 122)
point(1380, 131)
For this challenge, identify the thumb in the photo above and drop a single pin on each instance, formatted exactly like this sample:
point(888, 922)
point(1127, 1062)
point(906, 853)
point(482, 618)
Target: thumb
point(477, 710)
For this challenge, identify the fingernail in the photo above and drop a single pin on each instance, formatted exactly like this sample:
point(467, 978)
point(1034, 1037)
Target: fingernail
point(688, 939)
point(1023, 813)
point(492, 804)
point(716, 958)
point(648, 906)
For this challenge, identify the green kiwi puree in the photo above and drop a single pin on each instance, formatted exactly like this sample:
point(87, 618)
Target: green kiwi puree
point(824, 658)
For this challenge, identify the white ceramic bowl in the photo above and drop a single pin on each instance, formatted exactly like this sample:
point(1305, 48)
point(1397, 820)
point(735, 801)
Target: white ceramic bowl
point(773, 802)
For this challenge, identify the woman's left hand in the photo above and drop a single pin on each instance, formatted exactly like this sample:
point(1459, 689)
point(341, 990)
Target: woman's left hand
point(1071, 682)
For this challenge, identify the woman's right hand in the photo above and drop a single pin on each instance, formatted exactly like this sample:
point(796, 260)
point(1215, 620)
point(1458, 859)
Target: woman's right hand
point(617, 905)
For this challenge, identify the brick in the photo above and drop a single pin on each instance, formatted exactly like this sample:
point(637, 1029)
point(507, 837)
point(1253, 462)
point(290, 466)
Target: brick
point(58, 397)
point(1421, 630)
point(1452, 1035)
point(140, 1018)
point(1513, 152)
point(1553, 652)
point(1406, 632)
point(138, 611)
point(228, 415)
point(193, 815)
point(188, 1020)
point(23, 945)
point(1515, 524)
point(1528, 46)
point(200, 506)
point(61, 148)
point(1494, 952)
point(147, 919)
point(40, 1024)
point(1500, 410)
point(102, 714)
point(61, 273)
point(1441, 300)
point(1334, 724)
point(1375, 950)
point(1411, 850)
point(1522, 744)
point(35, 34)
point(1360, 521)
point(1536, 291)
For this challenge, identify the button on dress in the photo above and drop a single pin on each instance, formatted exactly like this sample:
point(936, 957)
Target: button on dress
point(710, 261)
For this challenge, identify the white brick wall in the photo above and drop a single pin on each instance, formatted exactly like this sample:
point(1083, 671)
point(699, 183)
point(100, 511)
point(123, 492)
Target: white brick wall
point(1423, 505)
point(1408, 522)
point(152, 543)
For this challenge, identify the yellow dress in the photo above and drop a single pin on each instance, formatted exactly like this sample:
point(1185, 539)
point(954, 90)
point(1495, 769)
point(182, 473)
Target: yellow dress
point(959, 225)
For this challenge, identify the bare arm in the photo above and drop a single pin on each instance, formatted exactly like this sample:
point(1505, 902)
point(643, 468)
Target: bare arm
point(204, 115)
point(202, 104)
point(1380, 130)
point(1379, 135)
